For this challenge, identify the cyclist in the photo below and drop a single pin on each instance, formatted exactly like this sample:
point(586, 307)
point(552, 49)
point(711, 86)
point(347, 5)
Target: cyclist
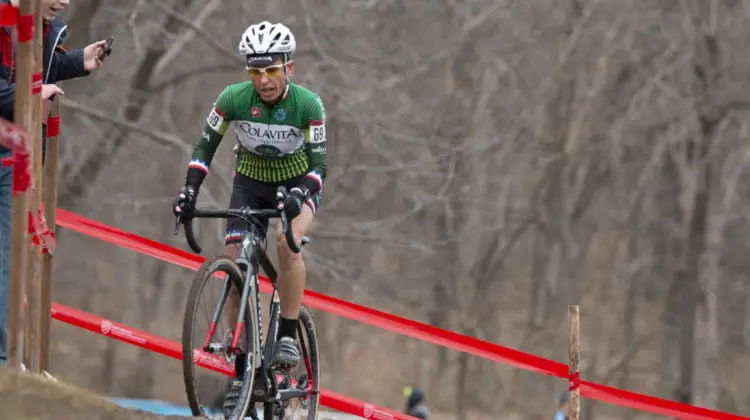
point(280, 129)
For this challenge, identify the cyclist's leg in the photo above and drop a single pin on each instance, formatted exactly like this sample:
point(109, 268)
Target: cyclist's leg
point(292, 267)
point(292, 276)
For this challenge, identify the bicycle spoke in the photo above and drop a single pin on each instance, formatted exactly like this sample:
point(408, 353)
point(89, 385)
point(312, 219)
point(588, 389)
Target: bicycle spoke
point(210, 339)
point(207, 326)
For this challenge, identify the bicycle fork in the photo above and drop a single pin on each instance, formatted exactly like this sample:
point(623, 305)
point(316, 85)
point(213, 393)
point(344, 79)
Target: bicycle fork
point(216, 347)
point(207, 345)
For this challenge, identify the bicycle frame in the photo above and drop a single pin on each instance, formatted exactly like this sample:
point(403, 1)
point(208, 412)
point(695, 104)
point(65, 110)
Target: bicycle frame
point(252, 257)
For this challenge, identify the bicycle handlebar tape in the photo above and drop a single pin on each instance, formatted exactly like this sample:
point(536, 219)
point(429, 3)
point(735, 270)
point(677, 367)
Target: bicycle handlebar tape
point(190, 237)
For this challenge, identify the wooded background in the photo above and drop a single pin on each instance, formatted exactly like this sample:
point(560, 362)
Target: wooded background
point(490, 163)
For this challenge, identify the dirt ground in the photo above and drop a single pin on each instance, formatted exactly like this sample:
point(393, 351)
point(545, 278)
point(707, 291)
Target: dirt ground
point(24, 396)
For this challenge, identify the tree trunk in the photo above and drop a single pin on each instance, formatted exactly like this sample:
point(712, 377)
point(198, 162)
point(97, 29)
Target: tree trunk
point(706, 72)
point(462, 394)
point(630, 304)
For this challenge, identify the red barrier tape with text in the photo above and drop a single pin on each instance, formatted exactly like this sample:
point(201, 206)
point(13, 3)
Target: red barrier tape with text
point(173, 349)
point(12, 137)
point(322, 302)
point(403, 326)
point(17, 140)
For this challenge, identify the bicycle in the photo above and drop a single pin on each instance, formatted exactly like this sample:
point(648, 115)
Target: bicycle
point(262, 382)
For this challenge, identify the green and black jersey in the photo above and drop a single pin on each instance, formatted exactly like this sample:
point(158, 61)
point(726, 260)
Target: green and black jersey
point(276, 143)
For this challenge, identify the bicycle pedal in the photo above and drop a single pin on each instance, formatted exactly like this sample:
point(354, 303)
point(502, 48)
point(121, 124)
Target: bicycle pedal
point(302, 381)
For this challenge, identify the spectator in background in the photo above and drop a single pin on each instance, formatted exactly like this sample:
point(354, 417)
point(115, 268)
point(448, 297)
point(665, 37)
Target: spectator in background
point(58, 65)
point(563, 408)
point(415, 405)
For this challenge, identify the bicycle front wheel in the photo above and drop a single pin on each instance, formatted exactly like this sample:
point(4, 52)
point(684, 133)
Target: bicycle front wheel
point(200, 307)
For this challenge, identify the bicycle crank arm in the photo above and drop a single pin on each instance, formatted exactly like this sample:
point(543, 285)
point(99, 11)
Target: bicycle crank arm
point(288, 394)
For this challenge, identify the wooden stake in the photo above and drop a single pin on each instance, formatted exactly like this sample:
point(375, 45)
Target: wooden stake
point(28, 300)
point(19, 224)
point(50, 205)
point(574, 357)
point(34, 281)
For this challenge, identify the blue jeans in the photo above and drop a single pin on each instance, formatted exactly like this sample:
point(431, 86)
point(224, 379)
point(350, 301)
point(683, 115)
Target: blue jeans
point(6, 199)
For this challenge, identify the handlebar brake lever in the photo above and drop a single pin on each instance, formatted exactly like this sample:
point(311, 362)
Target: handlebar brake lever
point(280, 193)
point(176, 225)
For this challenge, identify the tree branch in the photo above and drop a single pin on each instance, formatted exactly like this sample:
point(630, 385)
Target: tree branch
point(228, 52)
point(160, 138)
point(175, 49)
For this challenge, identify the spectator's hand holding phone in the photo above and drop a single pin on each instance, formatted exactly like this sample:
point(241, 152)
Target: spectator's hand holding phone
point(94, 54)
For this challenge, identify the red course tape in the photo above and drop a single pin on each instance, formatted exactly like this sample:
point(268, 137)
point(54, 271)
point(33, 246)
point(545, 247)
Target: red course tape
point(173, 349)
point(36, 83)
point(8, 15)
point(21, 163)
point(25, 28)
point(405, 326)
point(575, 381)
point(322, 302)
point(53, 126)
point(40, 233)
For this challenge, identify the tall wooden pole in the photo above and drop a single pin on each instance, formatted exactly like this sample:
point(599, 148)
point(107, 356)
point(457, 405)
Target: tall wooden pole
point(19, 224)
point(50, 206)
point(34, 279)
point(574, 357)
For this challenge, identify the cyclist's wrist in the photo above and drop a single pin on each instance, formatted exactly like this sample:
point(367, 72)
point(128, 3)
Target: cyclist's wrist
point(194, 178)
point(310, 185)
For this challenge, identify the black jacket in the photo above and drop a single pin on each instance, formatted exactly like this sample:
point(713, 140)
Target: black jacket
point(58, 64)
point(415, 405)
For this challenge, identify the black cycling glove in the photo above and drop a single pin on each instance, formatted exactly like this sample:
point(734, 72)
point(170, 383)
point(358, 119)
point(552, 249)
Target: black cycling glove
point(294, 201)
point(185, 200)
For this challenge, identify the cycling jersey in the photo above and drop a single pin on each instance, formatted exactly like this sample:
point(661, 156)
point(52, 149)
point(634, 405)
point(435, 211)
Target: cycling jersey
point(278, 143)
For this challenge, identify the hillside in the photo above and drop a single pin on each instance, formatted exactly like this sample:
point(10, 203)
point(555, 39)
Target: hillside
point(29, 397)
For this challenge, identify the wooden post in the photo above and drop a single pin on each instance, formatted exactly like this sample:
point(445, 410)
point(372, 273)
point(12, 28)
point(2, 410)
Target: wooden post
point(50, 207)
point(574, 357)
point(19, 223)
point(28, 295)
point(34, 280)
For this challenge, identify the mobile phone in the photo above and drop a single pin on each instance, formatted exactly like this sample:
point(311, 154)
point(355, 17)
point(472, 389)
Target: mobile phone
point(107, 50)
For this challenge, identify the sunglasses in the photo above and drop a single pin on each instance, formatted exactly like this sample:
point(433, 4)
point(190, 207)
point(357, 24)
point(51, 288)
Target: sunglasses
point(270, 71)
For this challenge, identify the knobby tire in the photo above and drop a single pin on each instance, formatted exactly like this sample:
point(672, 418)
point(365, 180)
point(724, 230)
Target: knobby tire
point(224, 264)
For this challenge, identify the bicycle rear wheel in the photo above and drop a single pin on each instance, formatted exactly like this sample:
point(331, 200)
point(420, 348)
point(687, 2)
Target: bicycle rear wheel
point(203, 278)
point(307, 407)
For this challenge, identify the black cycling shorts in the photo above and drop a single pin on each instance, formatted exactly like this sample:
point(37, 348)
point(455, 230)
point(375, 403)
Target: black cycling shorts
point(248, 192)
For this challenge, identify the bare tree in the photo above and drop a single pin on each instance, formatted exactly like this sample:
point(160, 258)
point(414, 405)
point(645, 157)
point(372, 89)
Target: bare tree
point(489, 164)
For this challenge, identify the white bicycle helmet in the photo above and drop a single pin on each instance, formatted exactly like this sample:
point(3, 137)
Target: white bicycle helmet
point(267, 38)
